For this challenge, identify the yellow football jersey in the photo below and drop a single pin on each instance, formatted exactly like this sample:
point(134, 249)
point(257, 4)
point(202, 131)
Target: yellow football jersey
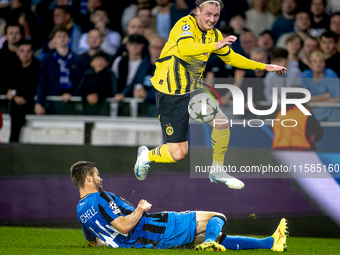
point(181, 65)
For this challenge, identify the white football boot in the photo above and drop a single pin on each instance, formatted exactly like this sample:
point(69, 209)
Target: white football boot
point(141, 167)
point(230, 181)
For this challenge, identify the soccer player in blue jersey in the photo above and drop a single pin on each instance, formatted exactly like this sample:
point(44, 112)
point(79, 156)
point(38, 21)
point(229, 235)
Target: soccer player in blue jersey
point(108, 219)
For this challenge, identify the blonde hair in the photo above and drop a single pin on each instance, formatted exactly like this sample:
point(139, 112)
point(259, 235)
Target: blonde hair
point(317, 55)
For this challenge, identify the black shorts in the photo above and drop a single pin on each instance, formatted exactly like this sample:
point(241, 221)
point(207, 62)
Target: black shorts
point(174, 116)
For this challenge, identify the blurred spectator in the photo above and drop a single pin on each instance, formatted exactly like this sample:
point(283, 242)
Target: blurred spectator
point(238, 24)
point(182, 8)
point(94, 41)
point(320, 20)
point(302, 24)
point(23, 87)
point(30, 24)
point(12, 10)
point(266, 40)
point(294, 45)
point(273, 80)
point(248, 42)
point(335, 23)
point(162, 17)
point(61, 71)
point(258, 19)
point(8, 57)
point(324, 86)
point(333, 6)
point(303, 136)
point(84, 18)
point(259, 55)
point(97, 84)
point(62, 16)
point(328, 45)
point(144, 14)
point(131, 11)
point(285, 23)
point(111, 39)
point(40, 53)
point(134, 27)
point(309, 45)
point(127, 67)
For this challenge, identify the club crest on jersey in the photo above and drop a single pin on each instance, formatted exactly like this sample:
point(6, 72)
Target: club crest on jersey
point(169, 130)
point(186, 27)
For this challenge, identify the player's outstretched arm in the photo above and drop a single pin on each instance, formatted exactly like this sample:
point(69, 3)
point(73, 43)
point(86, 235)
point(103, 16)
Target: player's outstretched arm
point(125, 224)
point(275, 68)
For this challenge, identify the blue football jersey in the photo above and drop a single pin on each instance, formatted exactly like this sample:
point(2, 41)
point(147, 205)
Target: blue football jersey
point(95, 212)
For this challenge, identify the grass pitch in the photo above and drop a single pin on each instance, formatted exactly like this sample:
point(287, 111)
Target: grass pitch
point(27, 240)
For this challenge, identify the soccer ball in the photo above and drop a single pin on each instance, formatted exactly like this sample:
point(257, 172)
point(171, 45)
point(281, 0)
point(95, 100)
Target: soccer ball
point(202, 112)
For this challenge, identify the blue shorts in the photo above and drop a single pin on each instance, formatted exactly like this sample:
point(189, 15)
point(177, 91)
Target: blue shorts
point(181, 229)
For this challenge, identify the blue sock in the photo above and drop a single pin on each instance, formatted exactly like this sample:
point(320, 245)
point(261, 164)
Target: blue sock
point(213, 229)
point(244, 243)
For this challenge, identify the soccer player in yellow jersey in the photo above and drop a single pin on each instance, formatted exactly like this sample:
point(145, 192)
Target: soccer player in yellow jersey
point(179, 71)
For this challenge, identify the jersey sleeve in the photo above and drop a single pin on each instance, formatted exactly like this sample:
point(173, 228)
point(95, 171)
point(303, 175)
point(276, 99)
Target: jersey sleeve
point(108, 207)
point(183, 34)
point(236, 60)
point(88, 234)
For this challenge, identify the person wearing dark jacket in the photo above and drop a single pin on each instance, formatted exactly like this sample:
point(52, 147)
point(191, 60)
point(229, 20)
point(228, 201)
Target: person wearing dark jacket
point(97, 84)
point(60, 74)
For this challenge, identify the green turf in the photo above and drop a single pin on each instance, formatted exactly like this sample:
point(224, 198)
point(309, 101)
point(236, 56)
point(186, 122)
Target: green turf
point(27, 240)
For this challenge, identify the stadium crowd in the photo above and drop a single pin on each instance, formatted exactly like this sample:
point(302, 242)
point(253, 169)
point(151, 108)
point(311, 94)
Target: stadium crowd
point(98, 49)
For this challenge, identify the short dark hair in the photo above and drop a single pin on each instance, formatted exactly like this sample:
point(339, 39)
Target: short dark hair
point(226, 30)
point(277, 53)
point(58, 28)
point(99, 8)
point(335, 14)
point(241, 14)
point(100, 54)
point(25, 42)
point(269, 32)
point(14, 24)
point(80, 170)
point(66, 8)
point(324, 2)
point(293, 37)
point(330, 34)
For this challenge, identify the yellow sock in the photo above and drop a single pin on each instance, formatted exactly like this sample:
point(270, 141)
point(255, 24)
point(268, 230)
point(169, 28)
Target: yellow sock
point(160, 154)
point(219, 142)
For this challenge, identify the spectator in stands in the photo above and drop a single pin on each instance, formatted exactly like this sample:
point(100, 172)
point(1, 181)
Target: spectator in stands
point(302, 24)
point(320, 20)
point(328, 45)
point(111, 39)
point(273, 80)
point(323, 83)
point(61, 72)
point(134, 27)
point(8, 57)
point(144, 14)
point(12, 10)
point(248, 42)
point(294, 45)
point(29, 23)
point(285, 23)
point(97, 84)
point(94, 40)
point(162, 17)
point(62, 16)
point(258, 19)
point(23, 87)
point(234, 8)
point(266, 40)
point(238, 24)
point(303, 136)
point(125, 68)
point(260, 55)
point(84, 18)
point(182, 8)
point(131, 11)
point(335, 25)
point(40, 53)
point(309, 45)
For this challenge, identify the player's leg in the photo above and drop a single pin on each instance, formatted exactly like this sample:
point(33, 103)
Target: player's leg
point(174, 120)
point(220, 141)
point(209, 226)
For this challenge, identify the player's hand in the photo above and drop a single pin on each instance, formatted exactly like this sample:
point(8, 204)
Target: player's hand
point(20, 100)
point(278, 69)
point(226, 41)
point(92, 98)
point(39, 110)
point(145, 205)
point(66, 97)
